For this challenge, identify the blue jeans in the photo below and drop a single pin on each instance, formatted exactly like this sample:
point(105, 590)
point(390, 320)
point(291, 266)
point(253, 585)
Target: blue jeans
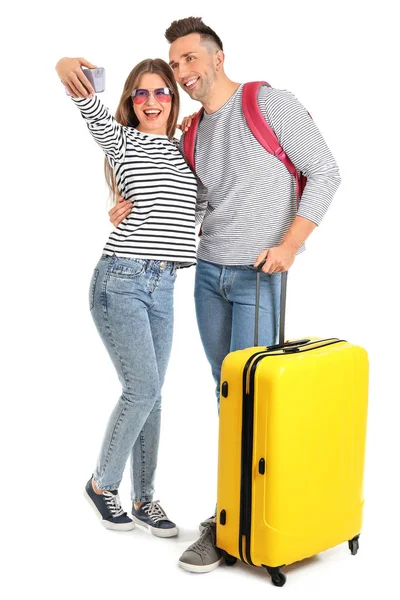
point(131, 301)
point(225, 300)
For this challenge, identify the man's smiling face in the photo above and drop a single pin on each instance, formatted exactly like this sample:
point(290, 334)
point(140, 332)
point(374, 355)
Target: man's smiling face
point(193, 64)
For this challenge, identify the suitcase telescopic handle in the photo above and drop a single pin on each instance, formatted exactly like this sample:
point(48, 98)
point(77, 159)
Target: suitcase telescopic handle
point(282, 307)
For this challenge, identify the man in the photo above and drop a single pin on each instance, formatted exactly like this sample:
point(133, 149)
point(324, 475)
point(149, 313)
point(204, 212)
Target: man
point(249, 209)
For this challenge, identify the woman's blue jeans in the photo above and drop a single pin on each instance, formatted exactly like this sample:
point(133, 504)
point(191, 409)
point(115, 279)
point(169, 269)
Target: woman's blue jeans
point(131, 301)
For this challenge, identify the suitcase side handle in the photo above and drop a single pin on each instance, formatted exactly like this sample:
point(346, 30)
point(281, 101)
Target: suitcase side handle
point(282, 306)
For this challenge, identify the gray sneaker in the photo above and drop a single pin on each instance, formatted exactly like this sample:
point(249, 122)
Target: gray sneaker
point(204, 524)
point(202, 556)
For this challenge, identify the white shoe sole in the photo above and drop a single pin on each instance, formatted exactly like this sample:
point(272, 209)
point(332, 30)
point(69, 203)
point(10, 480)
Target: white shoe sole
point(163, 533)
point(108, 524)
point(198, 568)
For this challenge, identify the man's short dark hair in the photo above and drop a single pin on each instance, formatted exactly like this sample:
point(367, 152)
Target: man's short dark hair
point(184, 27)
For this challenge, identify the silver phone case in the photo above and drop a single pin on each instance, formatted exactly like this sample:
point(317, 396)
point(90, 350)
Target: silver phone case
point(97, 78)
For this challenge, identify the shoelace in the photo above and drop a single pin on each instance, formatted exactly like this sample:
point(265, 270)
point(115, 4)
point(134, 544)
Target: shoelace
point(208, 533)
point(154, 510)
point(113, 503)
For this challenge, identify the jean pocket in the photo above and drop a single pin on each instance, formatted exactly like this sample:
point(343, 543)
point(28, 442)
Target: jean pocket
point(92, 288)
point(129, 268)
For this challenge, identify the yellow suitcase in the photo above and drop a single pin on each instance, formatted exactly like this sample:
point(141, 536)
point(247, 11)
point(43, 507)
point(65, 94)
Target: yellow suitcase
point(292, 434)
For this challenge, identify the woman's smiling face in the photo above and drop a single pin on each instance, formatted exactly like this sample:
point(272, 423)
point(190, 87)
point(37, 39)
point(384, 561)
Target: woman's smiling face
point(152, 114)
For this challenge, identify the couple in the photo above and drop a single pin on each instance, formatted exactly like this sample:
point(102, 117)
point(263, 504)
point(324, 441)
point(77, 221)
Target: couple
point(245, 199)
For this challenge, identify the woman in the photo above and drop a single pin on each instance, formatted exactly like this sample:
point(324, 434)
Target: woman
point(131, 291)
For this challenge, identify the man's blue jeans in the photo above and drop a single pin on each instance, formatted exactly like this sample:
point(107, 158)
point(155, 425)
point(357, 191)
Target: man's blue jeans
point(225, 300)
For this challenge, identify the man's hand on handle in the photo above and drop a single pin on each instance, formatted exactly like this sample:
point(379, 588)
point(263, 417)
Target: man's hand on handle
point(278, 259)
point(70, 72)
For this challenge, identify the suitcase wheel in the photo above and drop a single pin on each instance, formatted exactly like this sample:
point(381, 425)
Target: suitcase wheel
point(228, 559)
point(277, 577)
point(354, 545)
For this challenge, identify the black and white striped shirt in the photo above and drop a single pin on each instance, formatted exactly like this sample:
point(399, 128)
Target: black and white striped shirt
point(150, 171)
point(250, 197)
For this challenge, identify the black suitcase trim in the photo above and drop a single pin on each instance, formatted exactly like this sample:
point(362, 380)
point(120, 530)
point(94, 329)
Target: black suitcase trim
point(247, 442)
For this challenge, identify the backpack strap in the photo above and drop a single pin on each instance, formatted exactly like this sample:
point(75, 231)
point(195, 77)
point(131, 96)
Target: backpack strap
point(262, 131)
point(189, 142)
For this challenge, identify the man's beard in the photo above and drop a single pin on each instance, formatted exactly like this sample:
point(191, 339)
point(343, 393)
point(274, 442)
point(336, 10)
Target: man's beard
point(204, 89)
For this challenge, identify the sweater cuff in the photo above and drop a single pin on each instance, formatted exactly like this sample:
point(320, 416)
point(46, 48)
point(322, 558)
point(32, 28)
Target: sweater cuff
point(89, 102)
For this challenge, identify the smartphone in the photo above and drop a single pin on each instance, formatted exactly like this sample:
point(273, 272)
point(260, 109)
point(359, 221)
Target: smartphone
point(97, 78)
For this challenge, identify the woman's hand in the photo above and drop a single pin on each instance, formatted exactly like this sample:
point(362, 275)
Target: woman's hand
point(71, 75)
point(120, 211)
point(186, 123)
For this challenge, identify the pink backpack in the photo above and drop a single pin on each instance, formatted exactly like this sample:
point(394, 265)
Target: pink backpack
point(259, 128)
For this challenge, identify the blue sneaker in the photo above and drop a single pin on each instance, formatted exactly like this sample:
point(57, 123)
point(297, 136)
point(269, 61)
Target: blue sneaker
point(151, 516)
point(108, 507)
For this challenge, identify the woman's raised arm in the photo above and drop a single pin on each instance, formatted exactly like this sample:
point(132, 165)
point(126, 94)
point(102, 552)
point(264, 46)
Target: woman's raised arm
point(108, 133)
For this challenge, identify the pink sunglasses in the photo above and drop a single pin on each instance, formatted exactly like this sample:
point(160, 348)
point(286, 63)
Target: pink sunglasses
point(160, 94)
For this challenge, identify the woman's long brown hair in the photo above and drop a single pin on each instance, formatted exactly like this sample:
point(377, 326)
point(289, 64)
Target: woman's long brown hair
point(126, 116)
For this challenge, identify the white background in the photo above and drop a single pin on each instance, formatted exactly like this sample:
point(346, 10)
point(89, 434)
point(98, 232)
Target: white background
point(339, 58)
